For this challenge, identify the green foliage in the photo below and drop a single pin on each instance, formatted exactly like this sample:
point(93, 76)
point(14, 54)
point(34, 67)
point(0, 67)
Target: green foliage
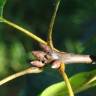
point(72, 46)
point(79, 83)
point(18, 56)
point(2, 3)
point(3, 63)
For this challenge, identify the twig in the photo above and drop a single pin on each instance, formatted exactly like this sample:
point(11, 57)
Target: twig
point(24, 72)
point(71, 58)
point(30, 34)
point(70, 91)
point(52, 24)
point(67, 82)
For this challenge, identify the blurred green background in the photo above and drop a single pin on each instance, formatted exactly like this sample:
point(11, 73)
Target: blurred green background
point(74, 31)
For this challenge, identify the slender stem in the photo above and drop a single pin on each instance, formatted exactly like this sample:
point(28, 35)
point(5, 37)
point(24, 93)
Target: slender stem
point(52, 24)
point(67, 82)
point(26, 71)
point(70, 91)
point(24, 31)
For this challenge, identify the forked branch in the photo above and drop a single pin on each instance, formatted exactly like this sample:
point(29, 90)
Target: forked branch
point(57, 62)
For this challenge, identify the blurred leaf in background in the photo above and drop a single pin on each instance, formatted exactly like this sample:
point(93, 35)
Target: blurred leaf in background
point(2, 3)
point(3, 59)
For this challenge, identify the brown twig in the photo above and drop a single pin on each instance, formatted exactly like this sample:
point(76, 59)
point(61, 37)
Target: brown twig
point(70, 58)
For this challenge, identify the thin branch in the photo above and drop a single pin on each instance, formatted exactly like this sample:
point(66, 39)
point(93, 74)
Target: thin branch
point(70, 58)
point(30, 34)
point(24, 72)
point(52, 24)
point(67, 82)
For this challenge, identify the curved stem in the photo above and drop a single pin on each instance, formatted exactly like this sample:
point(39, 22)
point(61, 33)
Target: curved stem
point(52, 24)
point(26, 71)
point(67, 82)
point(23, 30)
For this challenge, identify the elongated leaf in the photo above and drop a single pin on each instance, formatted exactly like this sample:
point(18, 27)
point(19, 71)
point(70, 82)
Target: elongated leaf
point(79, 82)
point(2, 3)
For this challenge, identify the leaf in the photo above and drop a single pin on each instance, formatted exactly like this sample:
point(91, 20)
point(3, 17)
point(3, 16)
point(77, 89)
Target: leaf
point(2, 3)
point(18, 55)
point(3, 59)
point(79, 82)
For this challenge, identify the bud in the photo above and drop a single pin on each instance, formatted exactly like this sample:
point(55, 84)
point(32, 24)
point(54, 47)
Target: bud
point(37, 63)
point(45, 47)
point(56, 64)
point(39, 54)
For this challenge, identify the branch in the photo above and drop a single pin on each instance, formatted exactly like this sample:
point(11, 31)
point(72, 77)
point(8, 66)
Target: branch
point(49, 55)
point(67, 82)
point(52, 24)
point(70, 58)
point(24, 72)
point(23, 30)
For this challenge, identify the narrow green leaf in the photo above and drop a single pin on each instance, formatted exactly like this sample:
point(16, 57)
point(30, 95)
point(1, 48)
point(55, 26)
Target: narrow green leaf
point(79, 82)
point(2, 3)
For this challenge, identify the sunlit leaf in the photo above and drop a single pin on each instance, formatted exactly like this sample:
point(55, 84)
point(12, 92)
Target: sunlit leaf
point(79, 82)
